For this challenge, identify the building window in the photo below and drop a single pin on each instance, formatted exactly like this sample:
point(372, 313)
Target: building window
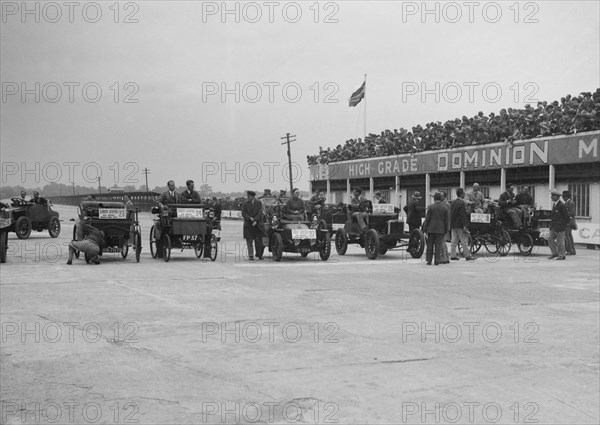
point(485, 190)
point(580, 194)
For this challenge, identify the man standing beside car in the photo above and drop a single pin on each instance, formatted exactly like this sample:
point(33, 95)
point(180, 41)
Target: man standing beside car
point(436, 225)
point(254, 229)
point(558, 225)
point(458, 225)
point(570, 206)
point(414, 212)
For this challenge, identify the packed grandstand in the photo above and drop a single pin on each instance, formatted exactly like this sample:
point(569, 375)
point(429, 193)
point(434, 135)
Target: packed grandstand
point(571, 115)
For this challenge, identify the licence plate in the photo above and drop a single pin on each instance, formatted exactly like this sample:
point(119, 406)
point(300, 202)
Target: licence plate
point(304, 234)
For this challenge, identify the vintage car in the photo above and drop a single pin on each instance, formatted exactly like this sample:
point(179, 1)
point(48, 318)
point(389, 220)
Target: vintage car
point(5, 223)
point(120, 226)
point(299, 236)
point(28, 216)
point(384, 231)
point(184, 226)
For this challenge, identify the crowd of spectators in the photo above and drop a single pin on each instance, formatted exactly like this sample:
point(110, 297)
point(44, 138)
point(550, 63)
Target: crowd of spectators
point(571, 115)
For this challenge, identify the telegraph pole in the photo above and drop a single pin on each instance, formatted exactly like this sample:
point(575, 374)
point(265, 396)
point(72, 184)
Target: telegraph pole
point(99, 188)
point(289, 153)
point(146, 172)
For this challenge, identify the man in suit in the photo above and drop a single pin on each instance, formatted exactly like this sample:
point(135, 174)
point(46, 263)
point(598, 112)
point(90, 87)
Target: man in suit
point(189, 195)
point(436, 225)
point(37, 199)
point(414, 212)
point(559, 222)
point(447, 237)
point(475, 199)
point(572, 225)
point(458, 225)
point(170, 196)
point(254, 229)
point(508, 206)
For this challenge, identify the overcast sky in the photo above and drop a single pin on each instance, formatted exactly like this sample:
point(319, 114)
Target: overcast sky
point(162, 105)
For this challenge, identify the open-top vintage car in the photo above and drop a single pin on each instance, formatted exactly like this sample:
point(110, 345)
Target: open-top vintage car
point(384, 231)
point(184, 226)
point(5, 222)
point(120, 226)
point(296, 236)
point(28, 216)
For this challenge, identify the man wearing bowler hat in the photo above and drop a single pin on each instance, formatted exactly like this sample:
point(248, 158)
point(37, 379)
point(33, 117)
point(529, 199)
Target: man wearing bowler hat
point(414, 212)
point(254, 229)
point(558, 225)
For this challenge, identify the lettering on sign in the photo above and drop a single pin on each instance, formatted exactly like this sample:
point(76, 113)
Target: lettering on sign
point(336, 226)
point(480, 218)
point(304, 234)
point(383, 208)
point(190, 213)
point(112, 213)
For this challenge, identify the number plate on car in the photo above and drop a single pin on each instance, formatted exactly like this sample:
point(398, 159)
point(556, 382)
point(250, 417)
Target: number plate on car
point(190, 213)
point(112, 214)
point(304, 234)
point(480, 218)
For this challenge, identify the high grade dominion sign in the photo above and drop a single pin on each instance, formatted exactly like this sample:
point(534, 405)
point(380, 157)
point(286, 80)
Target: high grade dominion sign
point(571, 149)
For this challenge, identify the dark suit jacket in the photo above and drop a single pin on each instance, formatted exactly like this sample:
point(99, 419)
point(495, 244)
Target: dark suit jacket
point(414, 213)
point(458, 214)
point(524, 199)
point(190, 197)
point(559, 217)
point(253, 211)
point(437, 219)
point(167, 199)
point(505, 198)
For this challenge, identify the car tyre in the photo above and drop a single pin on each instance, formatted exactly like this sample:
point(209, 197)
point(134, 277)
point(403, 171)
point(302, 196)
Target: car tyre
point(503, 243)
point(214, 247)
point(525, 244)
point(23, 227)
point(138, 245)
point(3, 246)
point(54, 227)
point(341, 241)
point(417, 243)
point(372, 244)
point(166, 248)
point(325, 250)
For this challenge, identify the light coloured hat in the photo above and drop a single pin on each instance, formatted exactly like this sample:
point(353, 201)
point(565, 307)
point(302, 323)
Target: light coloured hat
point(555, 192)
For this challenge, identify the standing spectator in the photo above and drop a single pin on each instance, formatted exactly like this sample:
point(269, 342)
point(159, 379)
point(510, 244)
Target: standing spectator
point(447, 237)
point(558, 225)
point(458, 225)
point(570, 206)
point(436, 225)
point(475, 199)
point(508, 207)
point(414, 212)
point(254, 230)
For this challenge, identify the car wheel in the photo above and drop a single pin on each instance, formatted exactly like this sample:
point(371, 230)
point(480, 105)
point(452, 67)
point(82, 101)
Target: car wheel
point(341, 241)
point(54, 227)
point(417, 243)
point(138, 245)
point(372, 244)
point(75, 238)
point(166, 248)
point(214, 247)
point(23, 227)
point(503, 243)
point(3, 246)
point(325, 250)
point(153, 243)
point(199, 246)
point(276, 246)
point(525, 244)
point(124, 250)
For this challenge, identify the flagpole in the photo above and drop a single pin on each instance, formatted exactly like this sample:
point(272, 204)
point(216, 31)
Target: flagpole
point(365, 139)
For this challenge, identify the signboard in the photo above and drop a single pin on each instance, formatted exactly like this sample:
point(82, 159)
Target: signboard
point(480, 218)
point(568, 149)
point(383, 209)
point(336, 226)
point(112, 213)
point(190, 213)
point(587, 233)
point(304, 234)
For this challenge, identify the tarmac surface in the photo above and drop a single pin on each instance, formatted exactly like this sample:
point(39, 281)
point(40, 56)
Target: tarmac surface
point(501, 340)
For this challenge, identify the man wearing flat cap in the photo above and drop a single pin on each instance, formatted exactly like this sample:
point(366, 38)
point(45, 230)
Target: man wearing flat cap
point(414, 212)
point(570, 206)
point(558, 225)
point(266, 194)
point(254, 229)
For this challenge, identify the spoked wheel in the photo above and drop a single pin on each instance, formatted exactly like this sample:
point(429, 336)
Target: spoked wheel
point(3, 246)
point(214, 247)
point(503, 243)
point(153, 248)
point(491, 244)
point(199, 247)
point(341, 241)
point(525, 244)
point(124, 250)
point(23, 227)
point(416, 243)
point(372, 244)
point(138, 245)
point(166, 247)
point(54, 227)
point(325, 250)
point(276, 246)
point(475, 244)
